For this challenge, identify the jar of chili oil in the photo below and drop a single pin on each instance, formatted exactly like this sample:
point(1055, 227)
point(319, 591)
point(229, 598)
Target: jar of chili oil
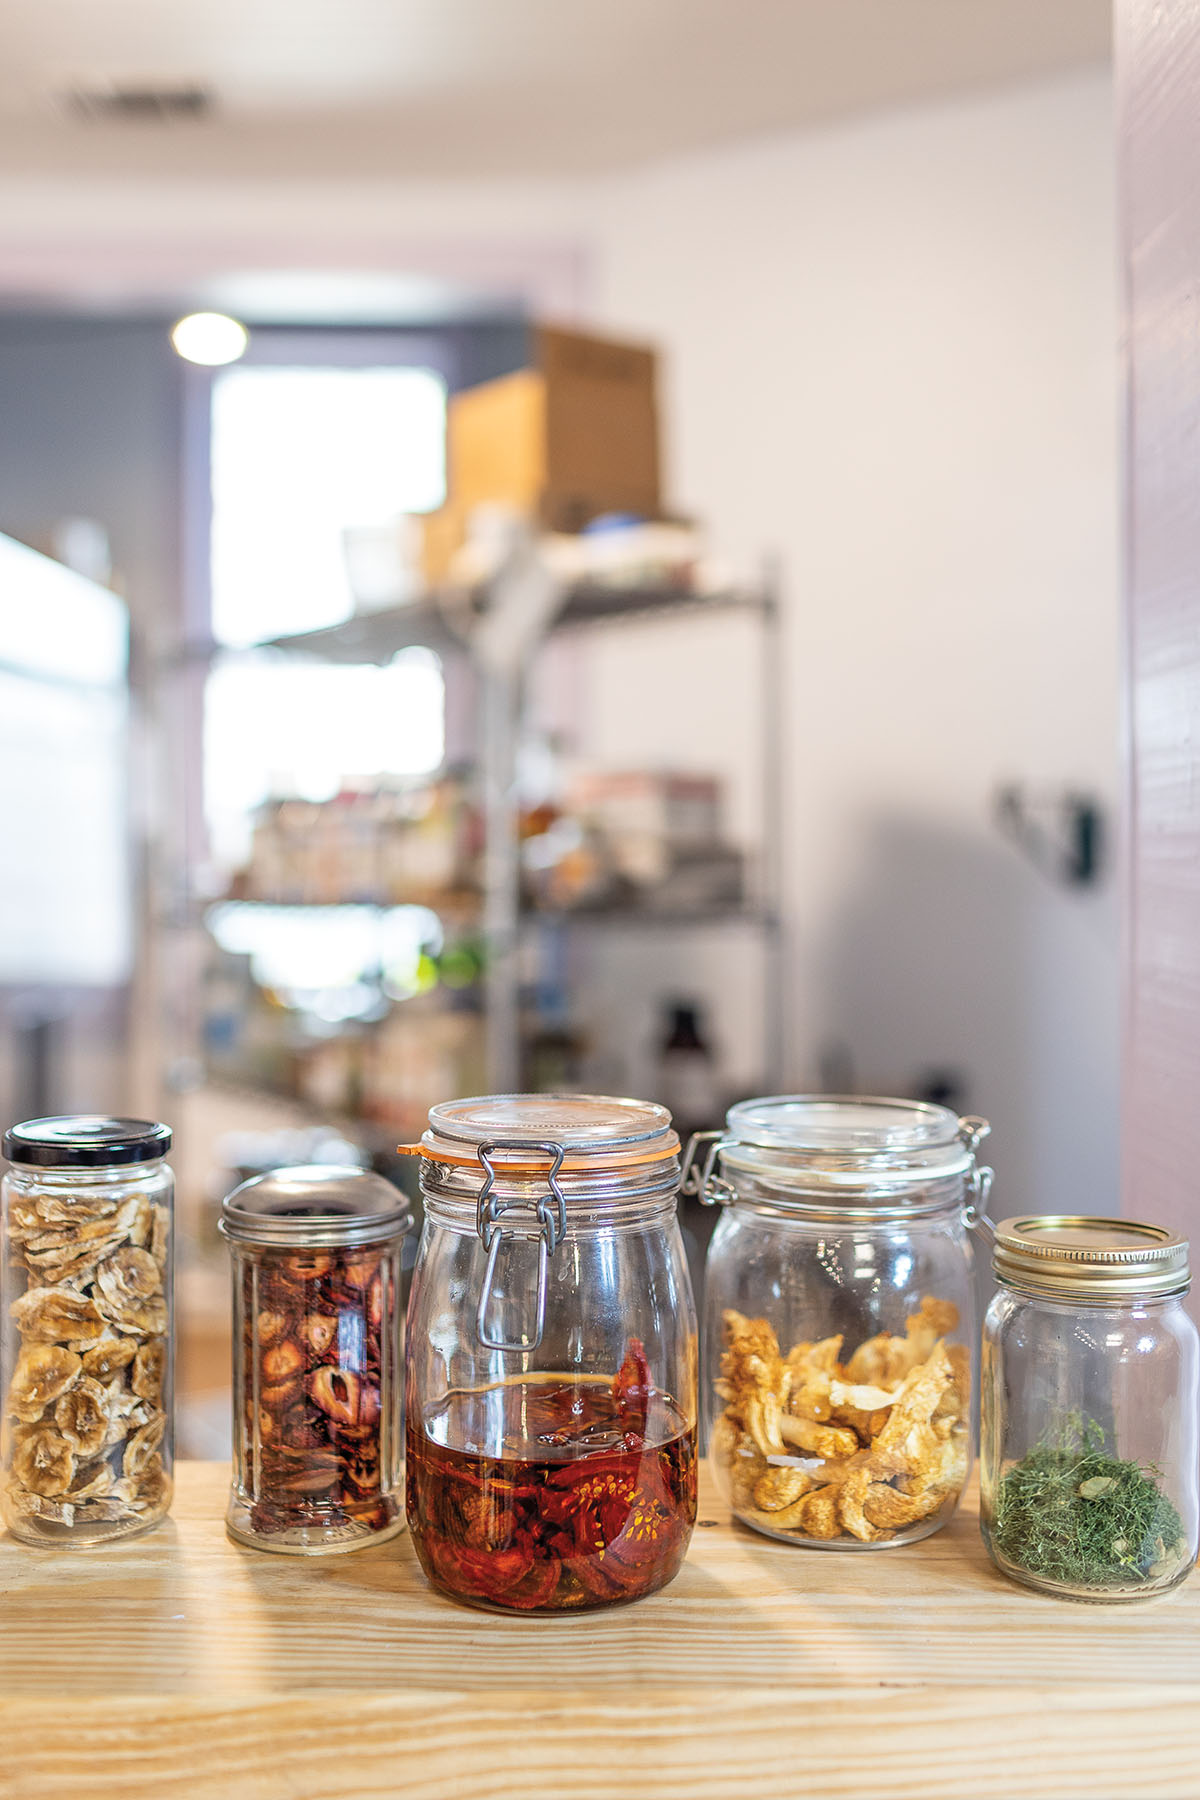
point(551, 1372)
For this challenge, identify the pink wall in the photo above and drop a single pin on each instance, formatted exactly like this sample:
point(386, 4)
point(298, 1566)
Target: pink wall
point(1158, 85)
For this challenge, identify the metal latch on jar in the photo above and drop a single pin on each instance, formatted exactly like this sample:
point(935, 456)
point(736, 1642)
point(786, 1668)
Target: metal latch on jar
point(698, 1177)
point(972, 1130)
point(550, 1211)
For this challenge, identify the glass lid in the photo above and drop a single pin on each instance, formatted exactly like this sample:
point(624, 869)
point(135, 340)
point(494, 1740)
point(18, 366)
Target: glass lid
point(840, 1122)
point(587, 1127)
point(805, 1151)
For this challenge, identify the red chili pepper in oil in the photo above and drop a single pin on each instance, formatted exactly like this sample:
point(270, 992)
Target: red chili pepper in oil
point(603, 1515)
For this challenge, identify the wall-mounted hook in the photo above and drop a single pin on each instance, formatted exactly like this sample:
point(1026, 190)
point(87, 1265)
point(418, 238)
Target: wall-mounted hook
point(1060, 830)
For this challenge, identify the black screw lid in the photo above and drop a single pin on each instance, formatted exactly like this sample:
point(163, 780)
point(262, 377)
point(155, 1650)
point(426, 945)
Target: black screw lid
point(86, 1141)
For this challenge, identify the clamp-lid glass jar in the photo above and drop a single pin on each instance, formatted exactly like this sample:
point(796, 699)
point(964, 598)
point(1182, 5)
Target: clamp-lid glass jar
point(551, 1404)
point(317, 1359)
point(839, 1314)
point(1091, 1402)
point(87, 1348)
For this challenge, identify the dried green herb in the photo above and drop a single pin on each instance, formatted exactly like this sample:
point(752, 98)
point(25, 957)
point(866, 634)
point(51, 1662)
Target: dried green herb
point(1071, 1511)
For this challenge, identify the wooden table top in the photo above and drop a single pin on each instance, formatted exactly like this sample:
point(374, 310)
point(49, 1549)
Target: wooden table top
point(179, 1662)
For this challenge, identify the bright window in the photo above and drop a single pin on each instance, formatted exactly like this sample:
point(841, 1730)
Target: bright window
point(276, 725)
point(299, 456)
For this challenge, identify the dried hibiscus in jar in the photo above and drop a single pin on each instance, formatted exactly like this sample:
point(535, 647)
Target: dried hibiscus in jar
point(317, 1390)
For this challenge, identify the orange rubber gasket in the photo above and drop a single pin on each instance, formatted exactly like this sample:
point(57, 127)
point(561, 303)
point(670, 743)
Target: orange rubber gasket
point(539, 1168)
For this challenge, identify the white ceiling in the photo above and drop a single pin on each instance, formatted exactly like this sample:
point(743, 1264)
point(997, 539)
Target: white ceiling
point(395, 88)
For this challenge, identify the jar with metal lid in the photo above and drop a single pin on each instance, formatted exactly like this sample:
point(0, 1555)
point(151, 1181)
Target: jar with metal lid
point(317, 1359)
point(839, 1314)
point(87, 1347)
point(1091, 1404)
point(551, 1402)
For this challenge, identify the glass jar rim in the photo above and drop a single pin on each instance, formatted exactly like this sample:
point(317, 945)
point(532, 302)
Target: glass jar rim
point(315, 1206)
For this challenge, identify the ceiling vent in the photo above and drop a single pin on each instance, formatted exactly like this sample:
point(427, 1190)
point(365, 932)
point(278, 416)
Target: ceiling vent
point(141, 102)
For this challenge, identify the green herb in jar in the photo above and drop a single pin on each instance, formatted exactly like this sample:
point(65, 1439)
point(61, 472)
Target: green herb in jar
point(1073, 1512)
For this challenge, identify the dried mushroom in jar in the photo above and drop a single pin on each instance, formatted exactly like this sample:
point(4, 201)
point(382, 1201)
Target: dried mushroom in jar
point(863, 1449)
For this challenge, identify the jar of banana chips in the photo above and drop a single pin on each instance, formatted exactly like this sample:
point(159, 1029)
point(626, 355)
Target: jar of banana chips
point(840, 1314)
point(86, 1346)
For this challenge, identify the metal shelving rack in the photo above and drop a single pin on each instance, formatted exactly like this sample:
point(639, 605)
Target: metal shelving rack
point(446, 624)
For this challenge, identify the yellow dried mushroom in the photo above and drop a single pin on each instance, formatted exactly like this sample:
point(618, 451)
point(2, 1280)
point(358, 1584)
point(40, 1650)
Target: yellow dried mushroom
point(811, 1446)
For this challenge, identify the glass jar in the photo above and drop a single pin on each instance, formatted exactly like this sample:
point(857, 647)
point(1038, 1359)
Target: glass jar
point(551, 1354)
point(86, 1356)
point(839, 1315)
point(1091, 1397)
point(317, 1357)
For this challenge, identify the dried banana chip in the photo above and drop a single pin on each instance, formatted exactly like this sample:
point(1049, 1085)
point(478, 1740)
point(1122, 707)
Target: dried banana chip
point(151, 1489)
point(59, 1211)
point(82, 1416)
point(78, 1232)
point(92, 1482)
point(127, 1413)
point(22, 1219)
point(54, 1267)
point(105, 1507)
point(56, 1316)
point(160, 1236)
point(149, 1367)
point(142, 1445)
point(141, 1224)
point(34, 1213)
point(43, 1372)
point(35, 1506)
point(129, 1275)
point(108, 1356)
point(42, 1461)
point(143, 1318)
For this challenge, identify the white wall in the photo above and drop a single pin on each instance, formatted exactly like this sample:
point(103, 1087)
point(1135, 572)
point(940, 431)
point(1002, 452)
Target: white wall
point(891, 357)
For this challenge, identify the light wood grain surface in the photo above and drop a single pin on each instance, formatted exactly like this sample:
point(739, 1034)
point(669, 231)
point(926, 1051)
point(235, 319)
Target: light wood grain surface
point(181, 1663)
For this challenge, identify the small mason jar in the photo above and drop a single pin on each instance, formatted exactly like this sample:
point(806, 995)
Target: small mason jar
point(1091, 1401)
point(839, 1315)
point(317, 1358)
point(86, 1355)
point(551, 1407)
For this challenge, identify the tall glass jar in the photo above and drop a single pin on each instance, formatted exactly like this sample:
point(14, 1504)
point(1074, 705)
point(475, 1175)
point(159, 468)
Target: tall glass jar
point(317, 1358)
point(1091, 1405)
point(86, 1356)
point(551, 1354)
point(839, 1315)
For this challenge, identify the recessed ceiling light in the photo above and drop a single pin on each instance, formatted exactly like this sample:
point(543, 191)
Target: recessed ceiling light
point(209, 338)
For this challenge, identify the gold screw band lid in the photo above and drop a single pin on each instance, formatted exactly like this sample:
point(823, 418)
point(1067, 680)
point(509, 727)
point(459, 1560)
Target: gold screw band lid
point(1071, 1256)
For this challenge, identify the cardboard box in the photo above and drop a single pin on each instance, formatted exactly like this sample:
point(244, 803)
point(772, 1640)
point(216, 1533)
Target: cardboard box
point(572, 436)
point(442, 533)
